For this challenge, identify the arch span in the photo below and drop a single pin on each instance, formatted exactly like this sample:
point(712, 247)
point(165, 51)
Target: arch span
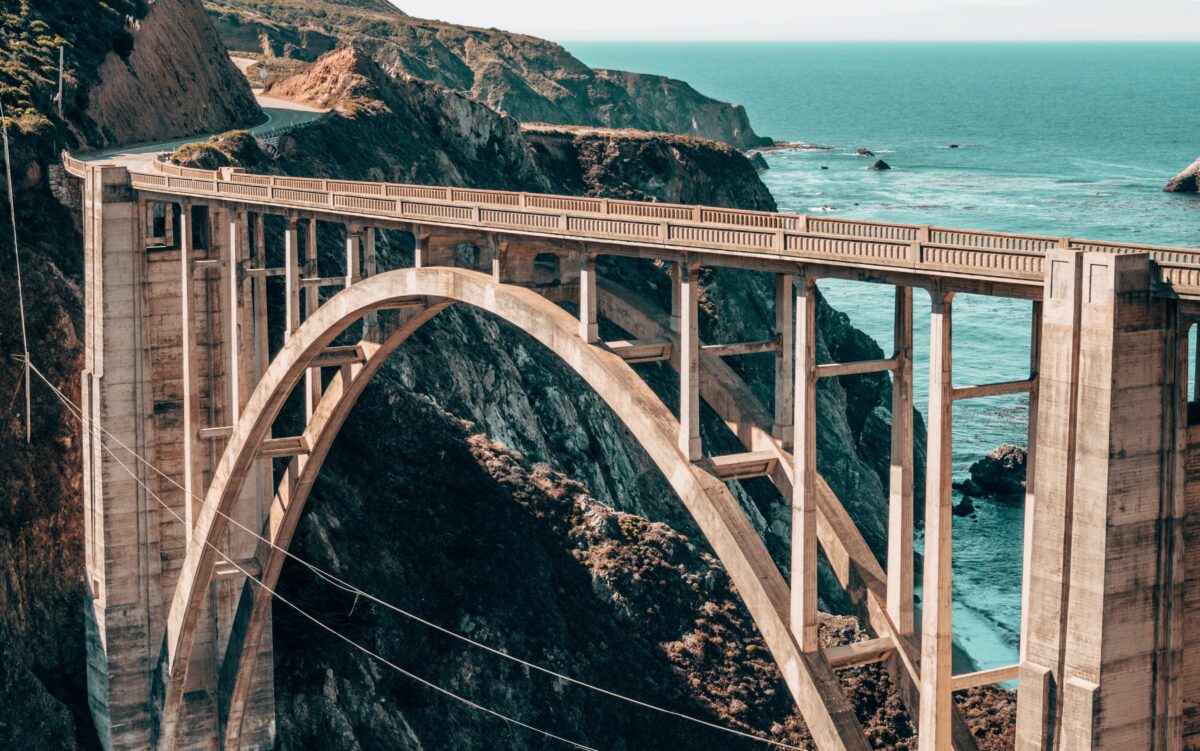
point(734, 540)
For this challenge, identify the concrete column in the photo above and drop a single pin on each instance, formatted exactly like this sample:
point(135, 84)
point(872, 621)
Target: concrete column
point(1048, 507)
point(688, 290)
point(936, 627)
point(354, 235)
point(676, 305)
point(370, 320)
point(120, 519)
point(803, 616)
point(291, 272)
point(900, 479)
point(421, 249)
point(589, 326)
point(169, 225)
point(312, 300)
point(785, 360)
point(188, 390)
point(240, 334)
point(1121, 660)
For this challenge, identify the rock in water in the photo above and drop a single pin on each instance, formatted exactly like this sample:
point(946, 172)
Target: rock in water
point(880, 165)
point(1187, 181)
point(862, 151)
point(1000, 474)
point(759, 162)
point(954, 146)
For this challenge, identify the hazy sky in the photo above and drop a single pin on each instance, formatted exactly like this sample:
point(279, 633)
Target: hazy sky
point(566, 20)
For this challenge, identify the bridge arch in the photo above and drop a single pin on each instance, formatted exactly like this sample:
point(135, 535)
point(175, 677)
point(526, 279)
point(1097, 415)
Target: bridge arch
point(430, 290)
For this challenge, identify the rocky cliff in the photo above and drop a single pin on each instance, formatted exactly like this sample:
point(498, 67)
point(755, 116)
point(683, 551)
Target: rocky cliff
point(1187, 181)
point(169, 79)
point(531, 79)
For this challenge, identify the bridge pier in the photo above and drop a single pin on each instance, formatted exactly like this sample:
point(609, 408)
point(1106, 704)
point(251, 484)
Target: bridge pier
point(1102, 665)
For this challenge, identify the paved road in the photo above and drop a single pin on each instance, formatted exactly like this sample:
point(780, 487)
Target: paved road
point(280, 114)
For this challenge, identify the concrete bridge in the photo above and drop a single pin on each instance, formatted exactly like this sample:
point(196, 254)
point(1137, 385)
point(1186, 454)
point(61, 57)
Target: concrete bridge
point(181, 368)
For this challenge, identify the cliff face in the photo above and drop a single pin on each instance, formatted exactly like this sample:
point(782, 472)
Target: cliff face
point(170, 78)
point(530, 79)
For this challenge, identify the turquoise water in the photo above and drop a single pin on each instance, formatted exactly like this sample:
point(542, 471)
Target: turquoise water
point(1056, 138)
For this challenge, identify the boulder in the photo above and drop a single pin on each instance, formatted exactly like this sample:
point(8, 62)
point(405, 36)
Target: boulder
point(880, 165)
point(1000, 474)
point(862, 151)
point(759, 162)
point(1187, 181)
point(954, 146)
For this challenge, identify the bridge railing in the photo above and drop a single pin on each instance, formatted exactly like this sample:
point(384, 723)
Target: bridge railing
point(1007, 256)
point(73, 166)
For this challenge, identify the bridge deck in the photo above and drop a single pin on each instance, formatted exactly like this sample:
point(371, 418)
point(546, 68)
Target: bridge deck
point(987, 262)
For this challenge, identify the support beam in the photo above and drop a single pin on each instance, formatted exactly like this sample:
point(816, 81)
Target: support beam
point(220, 432)
point(900, 572)
point(984, 677)
point(316, 282)
point(638, 351)
point(785, 360)
point(264, 273)
point(281, 447)
point(936, 626)
point(838, 369)
point(336, 357)
point(867, 652)
point(688, 291)
point(744, 466)
point(589, 325)
point(982, 391)
point(803, 618)
point(736, 349)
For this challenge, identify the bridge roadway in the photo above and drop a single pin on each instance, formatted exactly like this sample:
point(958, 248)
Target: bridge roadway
point(177, 270)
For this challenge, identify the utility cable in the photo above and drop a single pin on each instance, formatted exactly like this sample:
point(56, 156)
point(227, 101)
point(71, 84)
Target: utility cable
point(85, 421)
point(341, 584)
point(12, 210)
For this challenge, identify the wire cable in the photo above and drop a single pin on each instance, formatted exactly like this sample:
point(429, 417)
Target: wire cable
point(85, 421)
point(335, 581)
point(12, 210)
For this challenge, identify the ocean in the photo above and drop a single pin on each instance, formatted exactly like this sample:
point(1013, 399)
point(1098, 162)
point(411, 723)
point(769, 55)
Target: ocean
point(1073, 139)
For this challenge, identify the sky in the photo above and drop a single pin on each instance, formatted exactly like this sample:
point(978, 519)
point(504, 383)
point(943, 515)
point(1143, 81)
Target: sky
point(573, 20)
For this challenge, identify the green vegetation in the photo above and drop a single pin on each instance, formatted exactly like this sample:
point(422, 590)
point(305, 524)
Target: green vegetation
point(31, 34)
point(236, 148)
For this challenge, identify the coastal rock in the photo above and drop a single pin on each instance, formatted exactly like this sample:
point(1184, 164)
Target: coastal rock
point(1000, 474)
point(759, 161)
point(880, 165)
point(863, 151)
point(1187, 181)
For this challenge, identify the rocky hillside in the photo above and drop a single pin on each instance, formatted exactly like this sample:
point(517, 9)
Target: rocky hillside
point(531, 79)
point(401, 129)
point(108, 46)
